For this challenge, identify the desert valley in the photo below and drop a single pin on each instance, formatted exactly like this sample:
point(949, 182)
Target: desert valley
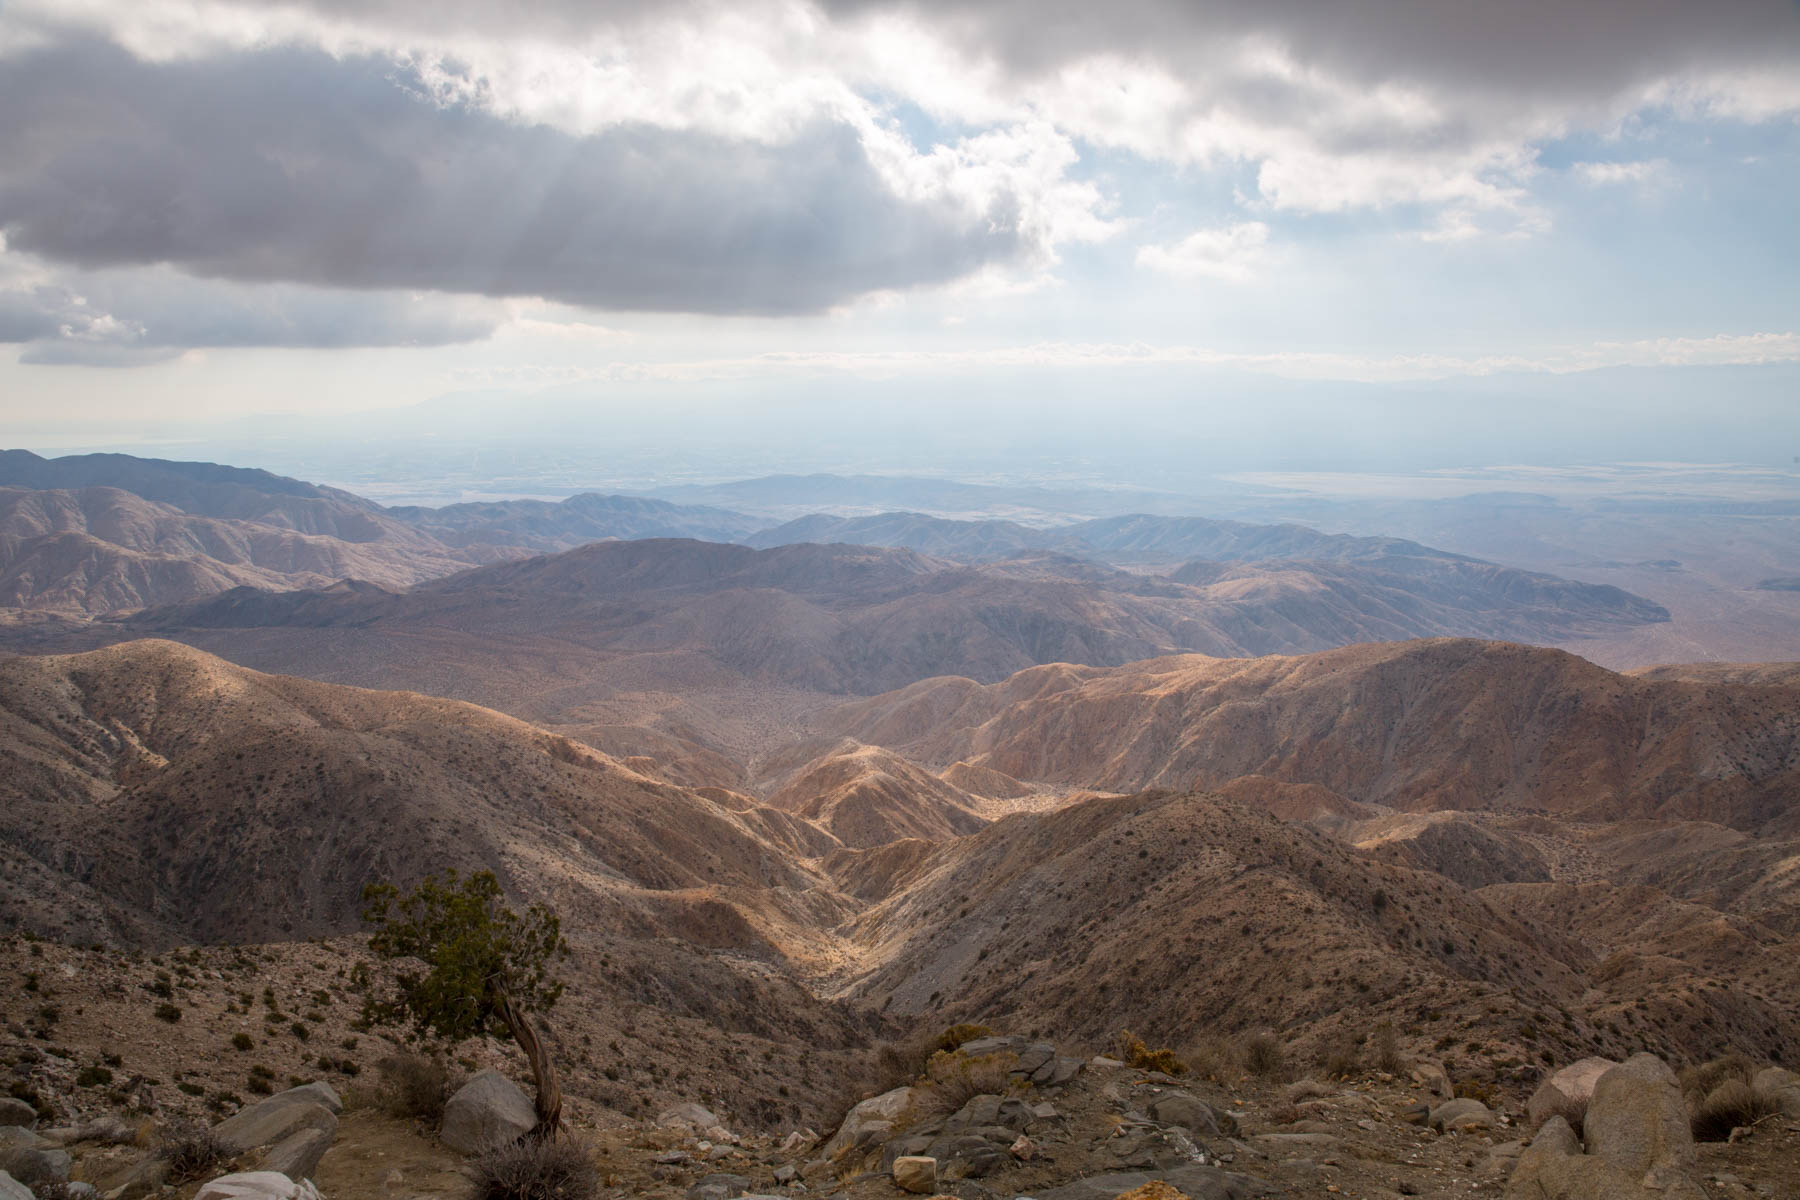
point(1328, 816)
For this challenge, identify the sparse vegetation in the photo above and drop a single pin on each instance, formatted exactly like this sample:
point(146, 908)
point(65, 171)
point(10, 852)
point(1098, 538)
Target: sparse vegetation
point(1264, 1057)
point(1720, 1098)
point(534, 1170)
point(191, 1150)
point(168, 1012)
point(242, 1041)
point(1132, 1051)
point(488, 969)
point(951, 1080)
point(414, 1087)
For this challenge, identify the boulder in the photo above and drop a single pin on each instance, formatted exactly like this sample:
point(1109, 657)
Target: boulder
point(35, 1162)
point(916, 1173)
point(488, 1110)
point(275, 1119)
point(1554, 1168)
point(869, 1123)
point(139, 1179)
point(257, 1185)
point(1778, 1087)
point(1568, 1091)
point(1191, 1113)
point(12, 1189)
point(318, 1090)
point(1432, 1077)
point(14, 1112)
point(719, 1186)
point(986, 1045)
point(692, 1116)
point(1032, 1057)
point(297, 1155)
point(1461, 1116)
point(1636, 1119)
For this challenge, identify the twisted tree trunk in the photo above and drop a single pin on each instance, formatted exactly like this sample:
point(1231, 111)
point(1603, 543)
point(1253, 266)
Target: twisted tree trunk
point(543, 1072)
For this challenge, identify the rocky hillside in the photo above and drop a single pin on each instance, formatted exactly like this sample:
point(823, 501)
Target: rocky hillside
point(1412, 725)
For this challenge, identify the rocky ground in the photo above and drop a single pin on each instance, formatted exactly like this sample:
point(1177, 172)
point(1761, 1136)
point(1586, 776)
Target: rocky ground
point(94, 1091)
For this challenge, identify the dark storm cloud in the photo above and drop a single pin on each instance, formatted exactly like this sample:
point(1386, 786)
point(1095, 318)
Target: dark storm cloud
point(291, 165)
point(1558, 50)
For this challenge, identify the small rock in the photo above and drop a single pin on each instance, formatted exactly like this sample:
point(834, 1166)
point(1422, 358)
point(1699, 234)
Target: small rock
point(1415, 1114)
point(719, 1187)
point(1023, 1149)
point(799, 1141)
point(671, 1158)
point(1461, 1116)
point(17, 1112)
point(786, 1174)
point(916, 1173)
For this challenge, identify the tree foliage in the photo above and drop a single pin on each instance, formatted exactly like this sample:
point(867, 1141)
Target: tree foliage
point(478, 955)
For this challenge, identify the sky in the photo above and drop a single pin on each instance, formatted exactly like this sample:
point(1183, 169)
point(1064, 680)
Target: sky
point(1164, 213)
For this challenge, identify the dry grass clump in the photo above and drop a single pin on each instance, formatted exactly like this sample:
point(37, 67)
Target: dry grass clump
point(1341, 1057)
point(1214, 1058)
point(190, 1150)
point(1386, 1051)
point(1264, 1057)
point(1720, 1098)
point(414, 1087)
point(1133, 1053)
point(530, 1170)
point(952, 1080)
point(1306, 1089)
point(956, 1035)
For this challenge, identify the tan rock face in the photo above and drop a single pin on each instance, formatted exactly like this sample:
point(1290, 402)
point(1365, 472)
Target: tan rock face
point(916, 1174)
point(1637, 1119)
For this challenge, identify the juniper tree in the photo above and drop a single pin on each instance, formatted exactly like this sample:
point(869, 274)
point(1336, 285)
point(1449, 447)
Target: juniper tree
point(487, 969)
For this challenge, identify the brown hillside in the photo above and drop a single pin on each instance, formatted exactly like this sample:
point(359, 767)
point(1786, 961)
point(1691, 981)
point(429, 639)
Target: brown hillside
point(1412, 725)
point(169, 787)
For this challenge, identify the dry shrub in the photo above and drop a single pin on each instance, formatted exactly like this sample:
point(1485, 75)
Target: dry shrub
point(414, 1087)
point(1132, 1052)
point(1341, 1057)
point(1306, 1089)
point(191, 1150)
point(1727, 1107)
point(1263, 1056)
point(1285, 1114)
point(1387, 1049)
point(957, 1034)
point(558, 1169)
point(1213, 1058)
point(952, 1080)
point(1477, 1089)
point(900, 1063)
point(1698, 1082)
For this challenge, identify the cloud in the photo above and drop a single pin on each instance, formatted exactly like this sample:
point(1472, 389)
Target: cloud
point(1233, 253)
point(291, 165)
point(133, 317)
point(1605, 174)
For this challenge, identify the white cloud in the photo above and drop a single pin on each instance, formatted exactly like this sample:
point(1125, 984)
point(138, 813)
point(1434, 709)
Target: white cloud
point(1609, 174)
point(1235, 253)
